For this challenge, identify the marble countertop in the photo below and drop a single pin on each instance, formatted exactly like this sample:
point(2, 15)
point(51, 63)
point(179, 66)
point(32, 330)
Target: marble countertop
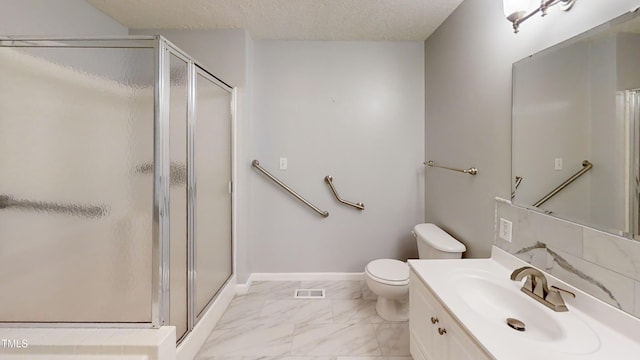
point(591, 329)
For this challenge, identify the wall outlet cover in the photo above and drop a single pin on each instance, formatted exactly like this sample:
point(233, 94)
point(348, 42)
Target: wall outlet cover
point(557, 164)
point(505, 229)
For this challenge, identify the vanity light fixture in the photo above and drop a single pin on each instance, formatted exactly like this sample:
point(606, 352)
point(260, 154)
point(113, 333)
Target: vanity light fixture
point(517, 11)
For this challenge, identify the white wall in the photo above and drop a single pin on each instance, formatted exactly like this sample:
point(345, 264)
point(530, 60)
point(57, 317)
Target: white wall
point(353, 110)
point(55, 18)
point(468, 106)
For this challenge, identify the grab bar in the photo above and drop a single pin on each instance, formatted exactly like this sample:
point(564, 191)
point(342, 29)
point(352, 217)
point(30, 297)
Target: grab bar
point(329, 180)
point(256, 164)
point(518, 181)
point(90, 211)
point(586, 166)
point(470, 171)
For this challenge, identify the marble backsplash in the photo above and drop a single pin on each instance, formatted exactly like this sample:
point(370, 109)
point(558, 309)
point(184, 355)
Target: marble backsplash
point(601, 264)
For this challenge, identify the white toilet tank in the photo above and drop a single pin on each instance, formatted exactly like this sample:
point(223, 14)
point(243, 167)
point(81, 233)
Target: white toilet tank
point(435, 243)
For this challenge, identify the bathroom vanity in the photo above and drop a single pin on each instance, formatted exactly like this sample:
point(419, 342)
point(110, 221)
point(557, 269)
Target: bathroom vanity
point(459, 311)
point(435, 333)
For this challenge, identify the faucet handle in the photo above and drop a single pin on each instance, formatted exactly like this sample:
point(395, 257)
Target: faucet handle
point(555, 299)
point(561, 290)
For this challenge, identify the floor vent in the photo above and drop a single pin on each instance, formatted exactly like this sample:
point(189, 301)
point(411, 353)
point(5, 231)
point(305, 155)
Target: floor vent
point(309, 294)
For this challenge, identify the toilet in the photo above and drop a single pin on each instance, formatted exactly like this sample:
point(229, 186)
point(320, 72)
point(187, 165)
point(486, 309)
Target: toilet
point(389, 278)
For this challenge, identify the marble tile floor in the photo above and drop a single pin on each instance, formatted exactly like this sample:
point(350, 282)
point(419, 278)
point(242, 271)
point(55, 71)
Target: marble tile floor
point(267, 323)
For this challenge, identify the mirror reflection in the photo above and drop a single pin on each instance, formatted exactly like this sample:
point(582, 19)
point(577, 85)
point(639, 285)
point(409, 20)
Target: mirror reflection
point(576, 109)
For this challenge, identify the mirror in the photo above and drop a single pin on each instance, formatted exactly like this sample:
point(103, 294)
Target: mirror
point(576, 128)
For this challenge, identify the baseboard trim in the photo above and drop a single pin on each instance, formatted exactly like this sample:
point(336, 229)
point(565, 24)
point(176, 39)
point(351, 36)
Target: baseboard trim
point(242, 289)
point(306, 276)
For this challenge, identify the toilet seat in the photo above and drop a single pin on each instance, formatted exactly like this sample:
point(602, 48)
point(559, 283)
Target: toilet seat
point(389, 271)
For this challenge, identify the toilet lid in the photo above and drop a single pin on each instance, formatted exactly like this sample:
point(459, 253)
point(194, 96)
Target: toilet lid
point(389, 270)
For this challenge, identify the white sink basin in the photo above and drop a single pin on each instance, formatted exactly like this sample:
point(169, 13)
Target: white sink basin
point(497, 303)
point(492, 300)
point(480, 295)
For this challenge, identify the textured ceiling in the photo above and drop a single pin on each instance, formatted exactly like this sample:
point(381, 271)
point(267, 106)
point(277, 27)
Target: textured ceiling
point(288, 19)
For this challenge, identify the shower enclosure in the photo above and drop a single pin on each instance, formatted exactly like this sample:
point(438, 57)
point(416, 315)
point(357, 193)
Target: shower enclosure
point(115, 189)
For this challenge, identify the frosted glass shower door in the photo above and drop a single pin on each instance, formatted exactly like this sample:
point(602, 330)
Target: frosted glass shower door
point(76, 203)
point(213, 199)
point(178, 91)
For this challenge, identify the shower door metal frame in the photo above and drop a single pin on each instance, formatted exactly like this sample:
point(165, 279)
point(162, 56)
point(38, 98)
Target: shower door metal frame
point(168, 50)
point(159, 287)
point(160, 249)
point(193, 70)
point(191, 195)
point(199, 70)
point(161, 176)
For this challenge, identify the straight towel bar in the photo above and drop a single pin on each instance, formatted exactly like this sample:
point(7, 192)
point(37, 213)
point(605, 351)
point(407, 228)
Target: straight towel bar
point(470, 171)
point(329, 180)
point(256, 164)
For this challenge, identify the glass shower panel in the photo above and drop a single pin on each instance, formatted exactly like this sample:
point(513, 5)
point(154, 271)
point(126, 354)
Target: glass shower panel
point(76, 194)
point(178, 194)
point(213, 200)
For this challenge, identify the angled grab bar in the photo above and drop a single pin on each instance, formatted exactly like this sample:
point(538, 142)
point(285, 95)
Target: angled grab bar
point(470, 171)
point(256, 164)
point(586, 166)
point(329, 180)
point(518, 181)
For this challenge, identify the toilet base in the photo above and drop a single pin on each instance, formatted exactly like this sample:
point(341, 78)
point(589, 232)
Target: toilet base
point(393, 309)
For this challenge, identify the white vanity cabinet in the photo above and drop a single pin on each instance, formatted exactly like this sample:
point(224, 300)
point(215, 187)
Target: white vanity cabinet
point(434, 333)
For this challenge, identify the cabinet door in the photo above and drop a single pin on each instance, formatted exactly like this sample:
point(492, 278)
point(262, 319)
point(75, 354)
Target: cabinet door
point(461, 348)
point(460, 345)
point(424, 322)
point(419, 324)
point(435, 334)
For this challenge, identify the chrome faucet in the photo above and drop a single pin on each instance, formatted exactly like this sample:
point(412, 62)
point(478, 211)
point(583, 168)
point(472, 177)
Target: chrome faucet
point(536, 287)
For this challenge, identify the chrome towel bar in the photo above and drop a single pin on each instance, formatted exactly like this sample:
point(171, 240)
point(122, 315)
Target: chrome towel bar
point(329, 180)
point(470, 171)
point(586, 166)
point(256, 164)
